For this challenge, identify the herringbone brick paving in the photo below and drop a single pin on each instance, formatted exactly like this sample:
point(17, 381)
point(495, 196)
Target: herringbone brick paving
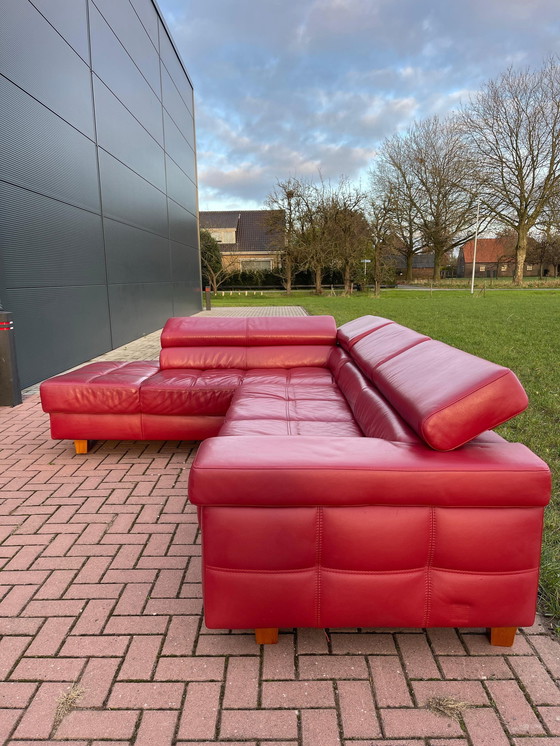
point(102, 641)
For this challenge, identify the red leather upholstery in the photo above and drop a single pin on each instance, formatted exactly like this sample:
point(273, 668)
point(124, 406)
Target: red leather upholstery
point(446, 395)
point(97, 388)
point(332, 528)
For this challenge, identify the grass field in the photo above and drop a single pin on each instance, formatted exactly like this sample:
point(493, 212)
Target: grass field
point(515, 328)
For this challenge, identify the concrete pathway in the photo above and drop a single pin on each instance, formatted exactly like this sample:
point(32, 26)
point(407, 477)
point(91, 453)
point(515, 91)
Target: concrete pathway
point(102, 640)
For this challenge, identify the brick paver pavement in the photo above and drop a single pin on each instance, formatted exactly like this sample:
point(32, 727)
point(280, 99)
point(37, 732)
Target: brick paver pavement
point(102, 641)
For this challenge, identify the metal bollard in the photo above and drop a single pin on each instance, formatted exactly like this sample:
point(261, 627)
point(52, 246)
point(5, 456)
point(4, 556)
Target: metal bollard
point(10, 392)
point(208, 298)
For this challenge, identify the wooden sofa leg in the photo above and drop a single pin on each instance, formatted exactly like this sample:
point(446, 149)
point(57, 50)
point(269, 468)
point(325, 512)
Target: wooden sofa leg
point(502, 636)
point(266, 635)
point(81, 446)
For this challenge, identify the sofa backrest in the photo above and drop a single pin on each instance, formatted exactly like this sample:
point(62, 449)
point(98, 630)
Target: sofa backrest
point(446, 395)
point(243, 343)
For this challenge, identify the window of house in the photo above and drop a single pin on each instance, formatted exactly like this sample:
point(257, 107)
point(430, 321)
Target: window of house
point(260, 265)
point(504, 267)
point(482, 268)
point(529, 267)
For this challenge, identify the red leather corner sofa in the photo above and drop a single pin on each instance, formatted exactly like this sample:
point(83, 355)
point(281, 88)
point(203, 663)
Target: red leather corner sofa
point(395, 506)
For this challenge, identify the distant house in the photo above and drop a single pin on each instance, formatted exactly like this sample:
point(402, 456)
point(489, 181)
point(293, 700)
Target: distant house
point(246, 237)
point(422, 266)
point(494, 258)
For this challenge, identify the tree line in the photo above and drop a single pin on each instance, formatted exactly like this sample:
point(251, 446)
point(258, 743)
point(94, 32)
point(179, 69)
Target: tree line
point(495, 163)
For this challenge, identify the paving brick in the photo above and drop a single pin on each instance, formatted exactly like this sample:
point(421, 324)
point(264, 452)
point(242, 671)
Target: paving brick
point(126, 557)
point(147, 696)
point(455, 667)
point(227, 645)
point(312, 641)
point(181, 635)
point(19, 626)
point(389, 680)
point(364, 644)
point(445, 641)
point(242, 682)
point(549, 652)
point(102, 646)
point(320, 728)
point(11, 649)
point(480, 645)
point(190, 669)
point(332, 667)
point(168, 584)
point(141, 657)
point(418, 660)
point(157, 727)
point(514, 708)
point(401, 723)
point(200, 711)
point(15, 695)
point(297, 694)
point(98, 724)
point(24, 558)
point(484, 728)
point(8, 719)
point(544, 741)
point(16, 599)
point(94, 590)
point(94, 617)
point(359, 719)
point(53, 608)
point(551, 716)
point(133, 599)
point(136, 625)
point(50, 637)
point(97, 679)
point(48, 669)
point(538, 684)
point(38, 719)
point(469, 692)
point(264, 724)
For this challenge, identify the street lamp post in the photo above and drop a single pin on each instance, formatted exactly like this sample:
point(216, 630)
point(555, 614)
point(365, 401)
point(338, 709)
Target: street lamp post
point(475, 242)
point(365, 263)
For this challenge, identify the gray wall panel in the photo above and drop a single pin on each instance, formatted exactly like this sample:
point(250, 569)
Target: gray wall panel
point(176, 107)
point(134, 256)
point(44, 153)
point(121, 135)
point(185, 302)
point(46, 242)
point(38, 60)
point(57, 328)
point(139, 309)
point(182, 224)
point(69, 18)
point(133, 37)
point(86, 212)
point(174, 68)
point(130, 199)
point(148, 15)
point(115, 68)
point(177, 147)
point(180, 187)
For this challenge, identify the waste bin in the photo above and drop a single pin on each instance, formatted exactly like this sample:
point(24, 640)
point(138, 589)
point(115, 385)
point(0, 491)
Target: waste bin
point(10, 392)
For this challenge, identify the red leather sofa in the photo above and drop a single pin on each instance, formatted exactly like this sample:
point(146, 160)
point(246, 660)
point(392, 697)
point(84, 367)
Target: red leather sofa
point(396, 505)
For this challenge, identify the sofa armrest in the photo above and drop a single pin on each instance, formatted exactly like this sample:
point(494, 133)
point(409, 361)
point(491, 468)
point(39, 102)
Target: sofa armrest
point(297, 471)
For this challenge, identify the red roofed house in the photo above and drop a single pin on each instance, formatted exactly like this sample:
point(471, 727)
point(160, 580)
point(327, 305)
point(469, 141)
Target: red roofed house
point(494, 258)
point(246, 239)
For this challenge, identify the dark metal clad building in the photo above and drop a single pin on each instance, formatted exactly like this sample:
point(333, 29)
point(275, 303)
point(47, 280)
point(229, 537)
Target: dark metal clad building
point(98, 192)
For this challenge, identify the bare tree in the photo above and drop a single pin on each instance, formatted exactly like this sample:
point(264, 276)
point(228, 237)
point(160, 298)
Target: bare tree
point(384, 241)
point(213, 270)
point(513, 127)
point(283, 226)
point(431, 177)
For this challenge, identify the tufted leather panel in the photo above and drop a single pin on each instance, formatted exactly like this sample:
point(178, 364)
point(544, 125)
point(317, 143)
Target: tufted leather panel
point(370, 566)
point(192, 392)
point(244, 358)
point(101, 388)
point(251, 331)
point(373, 350)
point(350, 333)
point(363, 471)
point(455, 396)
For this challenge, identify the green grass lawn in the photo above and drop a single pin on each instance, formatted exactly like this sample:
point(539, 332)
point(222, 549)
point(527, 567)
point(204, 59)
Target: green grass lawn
point(515, 328)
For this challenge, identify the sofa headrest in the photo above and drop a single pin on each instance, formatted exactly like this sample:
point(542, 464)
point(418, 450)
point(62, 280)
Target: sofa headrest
point(446, 395)
point(204, 331)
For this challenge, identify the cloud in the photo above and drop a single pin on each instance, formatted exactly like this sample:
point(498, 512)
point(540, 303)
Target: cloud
point(296, 88)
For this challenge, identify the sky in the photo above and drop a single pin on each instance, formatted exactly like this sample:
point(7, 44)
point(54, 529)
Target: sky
point(302, 88)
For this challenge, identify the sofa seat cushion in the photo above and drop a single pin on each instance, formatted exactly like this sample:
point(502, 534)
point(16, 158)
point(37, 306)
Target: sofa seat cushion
point(189, 392)
point(297, 409)
point(311, 374)
point(98, 388)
